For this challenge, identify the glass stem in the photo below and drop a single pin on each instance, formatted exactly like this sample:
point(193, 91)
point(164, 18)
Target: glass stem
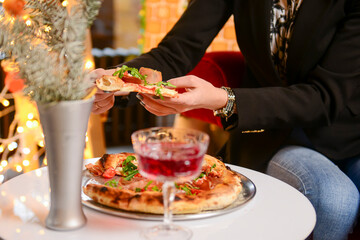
point(168, 189)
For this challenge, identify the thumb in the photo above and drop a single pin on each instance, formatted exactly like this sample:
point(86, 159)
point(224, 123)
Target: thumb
point(184, 82)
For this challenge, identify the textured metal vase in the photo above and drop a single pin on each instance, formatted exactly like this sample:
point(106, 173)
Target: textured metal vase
point(64, 125)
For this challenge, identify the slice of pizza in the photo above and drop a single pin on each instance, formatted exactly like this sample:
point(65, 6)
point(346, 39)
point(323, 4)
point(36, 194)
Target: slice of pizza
point(216, 187)
point(108, 165)
point(127, 79)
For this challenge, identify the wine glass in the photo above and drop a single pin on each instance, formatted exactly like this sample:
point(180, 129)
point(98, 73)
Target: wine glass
point(169, 155)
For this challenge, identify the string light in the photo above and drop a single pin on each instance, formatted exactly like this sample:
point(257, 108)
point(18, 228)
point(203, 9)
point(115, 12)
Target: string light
point(65, 3)
point(20, 129)
point(12, 146)
point(5, 102)
point(29, 124)
point(41, 143)
point(18, 168)
point(4, 163)
point(1, 148)
point(30, 116)
point(26, 163)
point(47, 29)
point(35, 123)
point(89, 64)
point(26, 151)
point(28, 22)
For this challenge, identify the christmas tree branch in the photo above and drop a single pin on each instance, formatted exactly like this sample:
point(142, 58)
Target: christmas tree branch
point(49, 48)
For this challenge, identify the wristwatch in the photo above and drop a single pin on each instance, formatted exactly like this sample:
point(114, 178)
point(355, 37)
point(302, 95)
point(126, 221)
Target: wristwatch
point(229, 109)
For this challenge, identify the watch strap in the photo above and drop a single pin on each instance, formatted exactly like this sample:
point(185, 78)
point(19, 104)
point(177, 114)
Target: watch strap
point(229, 109)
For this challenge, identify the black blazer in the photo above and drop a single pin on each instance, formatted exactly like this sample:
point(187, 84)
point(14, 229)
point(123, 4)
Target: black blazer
point(321, 93)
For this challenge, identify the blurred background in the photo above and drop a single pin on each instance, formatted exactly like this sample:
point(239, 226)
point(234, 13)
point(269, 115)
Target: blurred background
point(123, 30)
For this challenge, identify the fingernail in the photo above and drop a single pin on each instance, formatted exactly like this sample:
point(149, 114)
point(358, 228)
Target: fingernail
point(142, 103)
point(139, 97)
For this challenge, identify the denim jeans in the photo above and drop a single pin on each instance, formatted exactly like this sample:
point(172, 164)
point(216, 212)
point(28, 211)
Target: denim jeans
point(332, 191)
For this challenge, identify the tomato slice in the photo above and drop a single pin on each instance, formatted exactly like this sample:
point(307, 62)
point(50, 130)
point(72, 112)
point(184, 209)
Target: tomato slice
point(195, 191)
point(147, 89)
point(109, 173)
point(131, 79)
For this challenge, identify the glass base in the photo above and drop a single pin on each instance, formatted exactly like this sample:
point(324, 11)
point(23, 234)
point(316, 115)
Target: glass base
point(170, 232)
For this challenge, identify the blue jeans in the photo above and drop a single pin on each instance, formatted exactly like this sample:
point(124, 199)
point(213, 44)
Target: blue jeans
point(332, 191)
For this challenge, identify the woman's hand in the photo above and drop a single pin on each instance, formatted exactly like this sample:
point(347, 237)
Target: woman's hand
point(199, 94)
point(103, 100)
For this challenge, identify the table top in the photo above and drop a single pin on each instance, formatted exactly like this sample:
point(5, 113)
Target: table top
point(277, 211)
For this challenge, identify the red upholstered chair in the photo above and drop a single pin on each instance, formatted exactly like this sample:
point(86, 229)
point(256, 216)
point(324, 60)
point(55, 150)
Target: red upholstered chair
point(221, 69)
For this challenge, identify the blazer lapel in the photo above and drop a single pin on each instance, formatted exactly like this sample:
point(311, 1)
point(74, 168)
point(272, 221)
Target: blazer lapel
point(301, 52)
point(254, 21)
point(261, 29)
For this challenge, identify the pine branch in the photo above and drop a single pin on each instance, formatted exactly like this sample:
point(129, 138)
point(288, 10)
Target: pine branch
point(50, 51)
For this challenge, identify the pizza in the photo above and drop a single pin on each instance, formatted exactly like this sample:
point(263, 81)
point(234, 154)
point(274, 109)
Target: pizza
point(125, 188)
point(127, 79)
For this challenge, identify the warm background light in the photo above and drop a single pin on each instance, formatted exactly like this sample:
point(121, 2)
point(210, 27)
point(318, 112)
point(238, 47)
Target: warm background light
point(5, 102)
point(23, 149)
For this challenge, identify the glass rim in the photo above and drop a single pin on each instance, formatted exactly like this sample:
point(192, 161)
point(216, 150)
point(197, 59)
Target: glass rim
point(150, 129)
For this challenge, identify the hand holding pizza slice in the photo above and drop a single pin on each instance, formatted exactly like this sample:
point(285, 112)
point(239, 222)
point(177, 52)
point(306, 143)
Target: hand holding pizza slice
point(145, 80)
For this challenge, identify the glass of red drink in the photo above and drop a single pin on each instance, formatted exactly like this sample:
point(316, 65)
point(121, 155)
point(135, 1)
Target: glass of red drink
point(169, 155)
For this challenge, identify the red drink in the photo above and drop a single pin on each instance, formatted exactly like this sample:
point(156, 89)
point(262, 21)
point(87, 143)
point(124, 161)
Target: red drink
point(170, 161)
point(169, 155)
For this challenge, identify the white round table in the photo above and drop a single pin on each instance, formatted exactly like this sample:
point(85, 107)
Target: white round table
point(277, 211)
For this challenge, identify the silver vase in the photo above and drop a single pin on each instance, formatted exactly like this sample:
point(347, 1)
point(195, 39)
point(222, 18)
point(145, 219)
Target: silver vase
point(64, 125)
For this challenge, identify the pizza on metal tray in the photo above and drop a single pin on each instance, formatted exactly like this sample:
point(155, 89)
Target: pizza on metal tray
point(215, 188)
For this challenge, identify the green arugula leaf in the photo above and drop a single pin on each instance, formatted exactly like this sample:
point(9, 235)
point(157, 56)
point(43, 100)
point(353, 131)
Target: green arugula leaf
point(156, 189)
point(202, 174)
point(131, 175)
point(187, 190)
point(133, 71)
point(158, 93)
point(212, 167)
point(161, 83)
point(112, 183)
point(127, 165)
point(128, 159)
point(147, 185)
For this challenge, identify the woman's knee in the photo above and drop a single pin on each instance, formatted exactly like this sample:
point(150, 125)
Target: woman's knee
point(312, 173)
point(290, 165)
point(333, 195)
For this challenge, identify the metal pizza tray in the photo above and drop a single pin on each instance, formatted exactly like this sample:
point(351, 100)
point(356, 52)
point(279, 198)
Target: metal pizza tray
point(247, 193)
